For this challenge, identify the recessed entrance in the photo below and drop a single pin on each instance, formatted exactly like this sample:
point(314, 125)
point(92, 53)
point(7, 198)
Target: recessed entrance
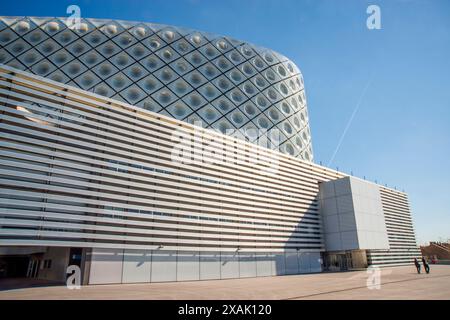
point(14, 266)
point(344, 260)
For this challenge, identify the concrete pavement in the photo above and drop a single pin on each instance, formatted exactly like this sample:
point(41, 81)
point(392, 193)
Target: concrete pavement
point(395, 283)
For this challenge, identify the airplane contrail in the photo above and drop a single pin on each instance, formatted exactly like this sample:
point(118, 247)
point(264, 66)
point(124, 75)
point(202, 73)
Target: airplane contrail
point(350, 121)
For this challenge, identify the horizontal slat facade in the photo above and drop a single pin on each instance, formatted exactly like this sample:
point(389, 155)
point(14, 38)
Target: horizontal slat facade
point(80, 170)
point(399, 225)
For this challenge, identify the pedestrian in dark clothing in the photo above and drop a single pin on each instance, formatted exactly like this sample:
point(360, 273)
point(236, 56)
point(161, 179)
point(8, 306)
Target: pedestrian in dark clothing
point(426, 266)
point(417, 265)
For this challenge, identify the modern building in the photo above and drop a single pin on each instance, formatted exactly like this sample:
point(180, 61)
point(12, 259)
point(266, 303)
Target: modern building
point(147, 153)
point(438, 252)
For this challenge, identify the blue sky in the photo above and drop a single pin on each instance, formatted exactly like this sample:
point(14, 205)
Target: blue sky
point(400, 134)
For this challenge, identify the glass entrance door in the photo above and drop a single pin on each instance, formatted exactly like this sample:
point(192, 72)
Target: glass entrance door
point(337, 261)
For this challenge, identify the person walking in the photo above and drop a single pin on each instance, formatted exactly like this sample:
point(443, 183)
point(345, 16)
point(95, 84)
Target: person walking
point(426, 266)
point(417, 265)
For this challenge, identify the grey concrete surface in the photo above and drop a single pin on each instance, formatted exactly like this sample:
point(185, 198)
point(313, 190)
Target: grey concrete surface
point(395, 283)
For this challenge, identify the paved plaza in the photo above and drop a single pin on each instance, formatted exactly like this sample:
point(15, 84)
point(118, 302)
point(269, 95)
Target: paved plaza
point(396, 283)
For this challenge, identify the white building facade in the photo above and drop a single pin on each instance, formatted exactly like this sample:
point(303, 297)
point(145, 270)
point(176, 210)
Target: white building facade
point(188, 189)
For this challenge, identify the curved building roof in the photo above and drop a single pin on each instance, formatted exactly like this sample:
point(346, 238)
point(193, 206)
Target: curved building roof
point(205, 79)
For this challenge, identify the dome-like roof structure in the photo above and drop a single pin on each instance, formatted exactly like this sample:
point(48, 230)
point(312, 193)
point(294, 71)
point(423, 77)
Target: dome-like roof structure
point(209, 80)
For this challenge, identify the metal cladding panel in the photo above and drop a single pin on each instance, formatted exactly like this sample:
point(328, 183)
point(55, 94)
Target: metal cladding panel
point(347, 221)
point(329, 205)
point(106, 266)
point(264, 264)
point(143, 266)
point(136, 266)
point(164, 266)
point(331, 223)
point(280, 264)
point(350, 240)
point(247, 265)
point(333, 241)
point(229, 265)
point(315, 262)
point(357, 221)
point(344, 203)
point(210, 265)
point(304, 262)
point(370, 217)
point(208, 80)
point(188, 266)
point(292, 266)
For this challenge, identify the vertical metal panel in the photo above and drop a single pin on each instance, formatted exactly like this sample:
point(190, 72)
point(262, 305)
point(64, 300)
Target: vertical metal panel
point(229, 265)
point(291, 263)
point(164, 266)
point(304, 262)
point(247, 265)
point(188, 266)
point(136, 266)
point(280, 264)
point(210, 265)
point(106, 266)
point(315, 262)
point(264, 264)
